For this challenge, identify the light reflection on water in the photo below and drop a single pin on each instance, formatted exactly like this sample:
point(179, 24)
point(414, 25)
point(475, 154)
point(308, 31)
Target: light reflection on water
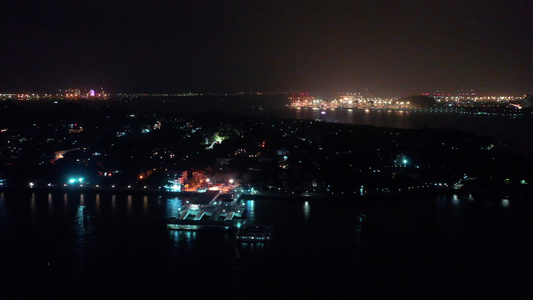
point(130, 204)
point(80, 222)
point(455, 199)
point(97, 203)
point(174, 235)
point(250, 209)
point(113, 203)
point(457, 210)
point(65, 203)
point(145, 204)
point(33, 204)
point(49, 204)
point(83, 230)
point(181, 237)
point(173, 207)
point(253, 246)
point(307, 210)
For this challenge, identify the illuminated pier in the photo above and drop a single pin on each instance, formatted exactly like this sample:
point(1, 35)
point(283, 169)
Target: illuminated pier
point(210, 211)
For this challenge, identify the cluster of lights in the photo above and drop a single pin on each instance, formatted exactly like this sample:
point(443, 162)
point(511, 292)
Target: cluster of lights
point(348, 101)
point(75, 180)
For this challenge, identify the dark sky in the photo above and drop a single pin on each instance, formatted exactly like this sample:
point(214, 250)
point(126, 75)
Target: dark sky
point(192, 45)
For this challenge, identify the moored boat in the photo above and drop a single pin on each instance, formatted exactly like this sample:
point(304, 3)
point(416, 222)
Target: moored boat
point(256, 234)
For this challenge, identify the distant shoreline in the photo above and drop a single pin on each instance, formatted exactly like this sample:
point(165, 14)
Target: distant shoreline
point(465, 110)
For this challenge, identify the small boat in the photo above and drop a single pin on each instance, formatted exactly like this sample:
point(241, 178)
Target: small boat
point(256, 234)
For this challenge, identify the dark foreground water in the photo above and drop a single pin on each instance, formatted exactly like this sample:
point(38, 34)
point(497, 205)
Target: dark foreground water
point(113, 246)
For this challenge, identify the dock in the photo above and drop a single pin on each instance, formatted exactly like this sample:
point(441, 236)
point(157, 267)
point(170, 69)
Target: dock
point(212, 210)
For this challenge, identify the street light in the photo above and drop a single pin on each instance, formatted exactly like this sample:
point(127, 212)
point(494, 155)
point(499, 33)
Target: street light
point(231, 181)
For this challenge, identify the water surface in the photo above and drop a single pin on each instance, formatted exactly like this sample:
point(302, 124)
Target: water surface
point(104, 245)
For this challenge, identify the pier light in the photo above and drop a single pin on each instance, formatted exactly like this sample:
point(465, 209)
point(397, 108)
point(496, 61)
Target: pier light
point(231, 181)
point(31, 184)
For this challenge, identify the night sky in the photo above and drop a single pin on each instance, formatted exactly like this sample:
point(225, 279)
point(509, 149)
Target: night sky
point(384, 46)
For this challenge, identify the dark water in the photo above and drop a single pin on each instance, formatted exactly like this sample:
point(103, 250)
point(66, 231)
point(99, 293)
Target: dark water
point(513, 131)
point(112, 246)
